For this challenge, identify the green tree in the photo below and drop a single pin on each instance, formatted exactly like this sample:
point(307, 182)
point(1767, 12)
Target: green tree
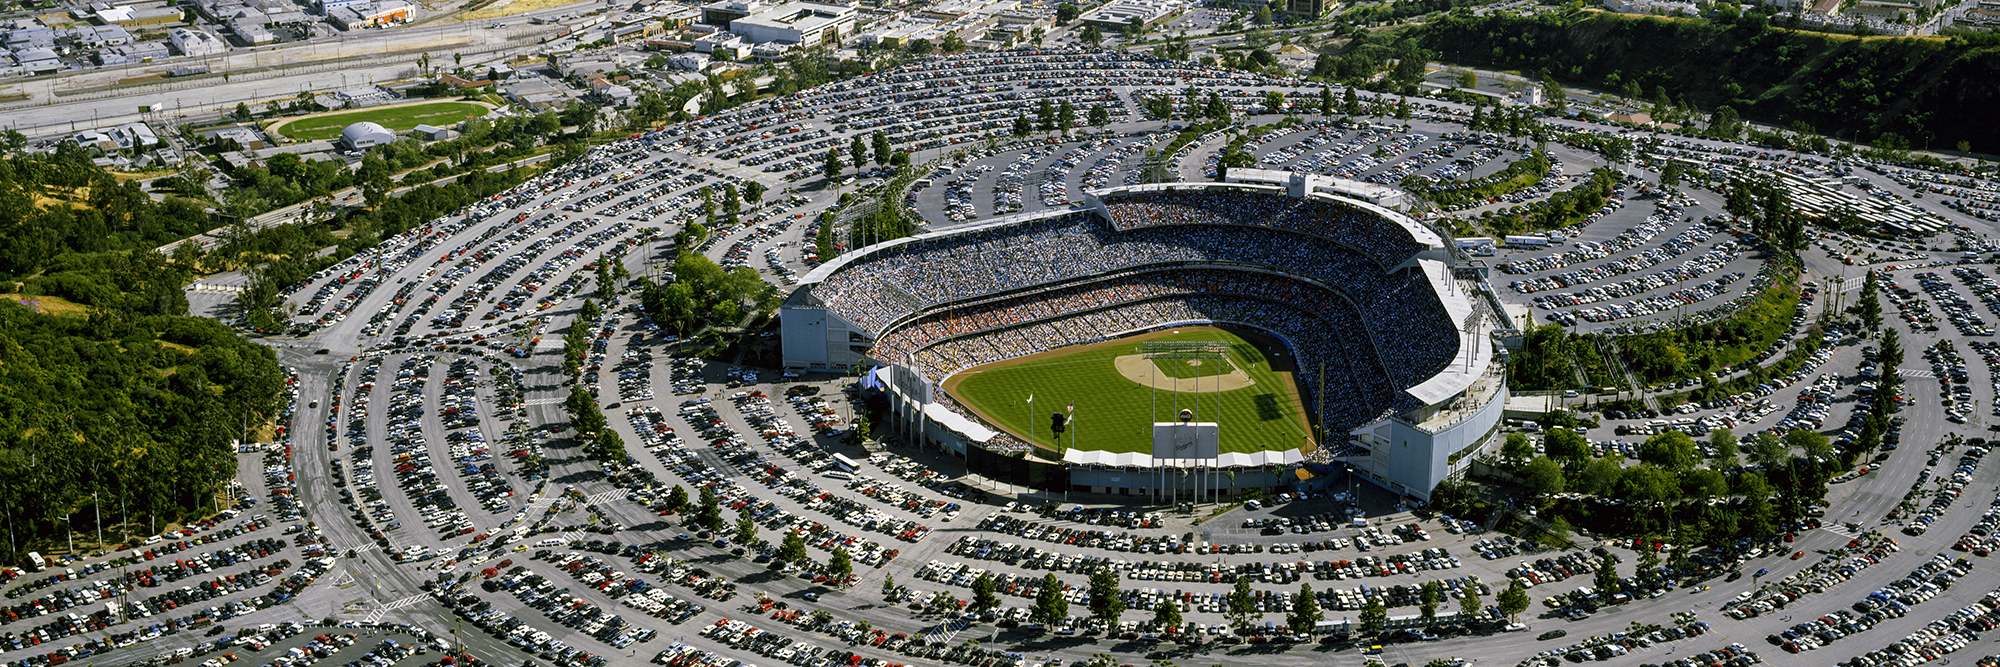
point(1091, 35)
point(1066, 12)
point(610, 446)
point(831, 168)
point(1242, 604)
point(1813, 443)
point(1305, 610)
point(1022, 126)
point(857, 150)
point(1428, 598)
point(746, 527)
point(1768, 449)
point(983, 597)
point(1723, 443)
point(1724, 123)
point(242, 113)
point(882, 148)
point(1564, 444)
point(1045, 115)
point(1605, 579)
point(1517, 448)
point(1274, 101)
point(1648, 566)
point(1554, 93)
point(1514, 600)
point(1469, 604)
point(708, 514)
point(840, 564)
point(1105, 605)
point(1050, 606)
point(1167, 615)
point(753, 192)
point(1065, 117)
point(1672, 450)
point(1600, 476)
point(677, 499)
point(1099, 115)
point(793, 549)
point(1543, 475)
point(1869, 306)
point(1373, 616)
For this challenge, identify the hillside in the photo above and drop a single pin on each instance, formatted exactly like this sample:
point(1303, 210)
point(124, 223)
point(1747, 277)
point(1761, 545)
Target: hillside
point(107, 386)
point(1930, 92)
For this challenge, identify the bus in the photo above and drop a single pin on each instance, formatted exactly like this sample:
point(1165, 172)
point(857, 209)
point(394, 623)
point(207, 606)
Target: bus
point(846, 464)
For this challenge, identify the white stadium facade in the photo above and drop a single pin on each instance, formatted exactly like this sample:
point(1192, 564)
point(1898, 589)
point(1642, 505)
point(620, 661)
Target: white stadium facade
point(1396, 324)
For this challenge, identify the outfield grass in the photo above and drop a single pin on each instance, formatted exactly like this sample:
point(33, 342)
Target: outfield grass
point(1114, 413)
point(400, 119)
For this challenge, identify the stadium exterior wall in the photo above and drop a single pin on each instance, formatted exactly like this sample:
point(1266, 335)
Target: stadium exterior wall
point(1410, 460)
point(816, 339)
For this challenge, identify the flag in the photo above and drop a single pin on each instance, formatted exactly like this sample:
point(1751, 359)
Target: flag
point(1072, 408)
point(1031, 398)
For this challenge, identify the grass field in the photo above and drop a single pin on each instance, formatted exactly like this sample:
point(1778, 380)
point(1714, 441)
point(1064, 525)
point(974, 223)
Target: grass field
point(1115, 413)
point(440, 114)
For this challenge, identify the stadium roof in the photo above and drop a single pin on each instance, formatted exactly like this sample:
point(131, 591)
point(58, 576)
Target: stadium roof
point(1470, 362)
point(958, 423)
point(1227, 460)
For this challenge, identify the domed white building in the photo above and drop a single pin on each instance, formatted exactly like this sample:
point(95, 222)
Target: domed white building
point(363, 135)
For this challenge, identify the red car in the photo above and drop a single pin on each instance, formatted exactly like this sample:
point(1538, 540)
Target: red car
point(1797, 554)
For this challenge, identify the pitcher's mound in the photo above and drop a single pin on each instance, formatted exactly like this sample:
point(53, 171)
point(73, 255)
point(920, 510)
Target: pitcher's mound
point(1137, 368)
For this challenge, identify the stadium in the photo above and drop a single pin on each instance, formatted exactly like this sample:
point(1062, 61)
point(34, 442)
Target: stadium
point(1201, 340)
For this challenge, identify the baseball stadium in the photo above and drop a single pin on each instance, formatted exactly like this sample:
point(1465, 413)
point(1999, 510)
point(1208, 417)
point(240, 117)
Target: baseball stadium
point(1180, 342)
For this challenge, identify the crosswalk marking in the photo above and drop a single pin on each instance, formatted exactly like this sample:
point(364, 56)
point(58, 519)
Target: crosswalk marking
point(376, 616)
point(1916, 372)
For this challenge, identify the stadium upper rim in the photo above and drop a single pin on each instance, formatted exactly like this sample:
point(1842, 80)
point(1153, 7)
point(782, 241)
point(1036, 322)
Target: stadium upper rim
point(1466, 366)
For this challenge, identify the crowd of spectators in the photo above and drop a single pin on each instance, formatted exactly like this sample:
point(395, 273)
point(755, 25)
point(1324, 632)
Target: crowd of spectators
point(1385, 242)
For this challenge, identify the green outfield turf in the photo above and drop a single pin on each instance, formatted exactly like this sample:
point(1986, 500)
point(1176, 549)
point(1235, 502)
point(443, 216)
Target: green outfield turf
point(400, 119)
point(1115, 413)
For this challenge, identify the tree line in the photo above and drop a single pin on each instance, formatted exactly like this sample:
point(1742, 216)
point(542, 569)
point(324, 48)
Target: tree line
point(1906, 92)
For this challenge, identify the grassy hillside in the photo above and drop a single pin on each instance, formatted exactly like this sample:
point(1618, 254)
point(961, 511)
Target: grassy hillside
point(1930, 92)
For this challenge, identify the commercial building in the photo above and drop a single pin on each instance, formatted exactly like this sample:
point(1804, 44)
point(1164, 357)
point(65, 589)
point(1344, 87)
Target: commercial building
point(722, 12)
point(1311, 9)
point(355, 16)
point(803, 23)
point(191, 42)
point(365, 135)
point(1118, 14)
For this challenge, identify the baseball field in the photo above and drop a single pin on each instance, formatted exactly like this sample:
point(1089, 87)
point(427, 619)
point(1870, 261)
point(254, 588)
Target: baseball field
point(398, 118)
point(1119, 392)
